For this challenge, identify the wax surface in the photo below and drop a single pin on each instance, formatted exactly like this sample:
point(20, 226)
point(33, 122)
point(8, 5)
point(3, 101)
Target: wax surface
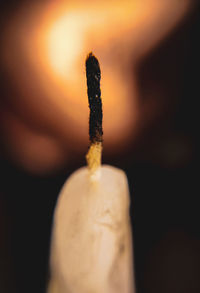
point(91, 247)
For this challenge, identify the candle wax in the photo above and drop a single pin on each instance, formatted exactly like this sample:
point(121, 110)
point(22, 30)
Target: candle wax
point(91, 245)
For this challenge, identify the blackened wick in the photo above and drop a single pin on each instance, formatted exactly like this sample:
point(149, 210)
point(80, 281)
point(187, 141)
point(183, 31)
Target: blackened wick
point(93, 74)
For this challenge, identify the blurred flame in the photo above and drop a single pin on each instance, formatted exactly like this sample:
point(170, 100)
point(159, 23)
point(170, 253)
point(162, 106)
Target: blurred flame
point(65, 37)
point(65, 40)
point(51, 41)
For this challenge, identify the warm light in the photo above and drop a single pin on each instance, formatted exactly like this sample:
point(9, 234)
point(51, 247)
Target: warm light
point(51, 41)
point(66, 36)
point(118, 32)
point(65, 40)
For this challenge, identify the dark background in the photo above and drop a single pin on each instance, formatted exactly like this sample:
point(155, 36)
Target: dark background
point(163, 172)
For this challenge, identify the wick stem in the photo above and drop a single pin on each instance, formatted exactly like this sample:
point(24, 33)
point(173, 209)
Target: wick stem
point(93, 75)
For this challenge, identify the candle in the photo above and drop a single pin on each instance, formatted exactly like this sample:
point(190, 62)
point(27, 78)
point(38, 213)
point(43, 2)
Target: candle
point(91, 246)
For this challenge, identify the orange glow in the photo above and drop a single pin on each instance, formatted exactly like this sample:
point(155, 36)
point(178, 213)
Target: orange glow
point(63, 53)
point(53, 40)
point(67, 41)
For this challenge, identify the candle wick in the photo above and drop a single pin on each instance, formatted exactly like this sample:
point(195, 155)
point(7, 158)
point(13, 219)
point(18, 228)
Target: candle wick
point(93, 75)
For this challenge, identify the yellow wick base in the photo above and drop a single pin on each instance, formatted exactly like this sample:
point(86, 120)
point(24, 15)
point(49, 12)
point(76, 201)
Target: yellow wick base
point(93, 156)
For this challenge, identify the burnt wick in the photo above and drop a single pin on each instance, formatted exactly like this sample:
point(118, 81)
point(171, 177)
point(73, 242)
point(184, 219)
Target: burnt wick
point(93, 74)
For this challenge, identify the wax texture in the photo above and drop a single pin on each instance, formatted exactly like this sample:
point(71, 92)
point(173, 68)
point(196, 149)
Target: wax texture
point(91, 245)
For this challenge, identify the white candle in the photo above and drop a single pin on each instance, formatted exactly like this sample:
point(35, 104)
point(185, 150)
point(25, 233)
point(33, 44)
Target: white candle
point(91, 247)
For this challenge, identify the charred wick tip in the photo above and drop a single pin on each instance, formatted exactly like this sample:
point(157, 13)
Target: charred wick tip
point(93, 75)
